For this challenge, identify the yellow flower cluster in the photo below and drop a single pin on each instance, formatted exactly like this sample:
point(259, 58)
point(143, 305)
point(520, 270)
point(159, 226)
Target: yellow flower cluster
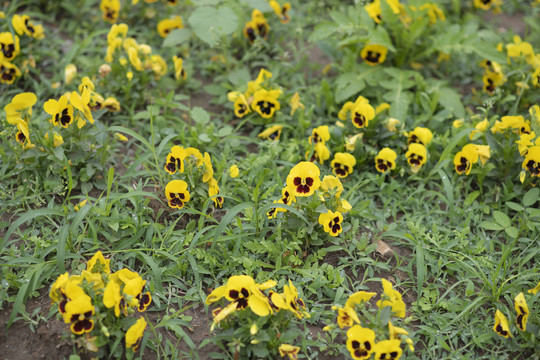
point(528, 143)
point(318, 150)
point(258, 97)
point(360, 112)
point(176, 191)
point(78, 296)
point(416, 154)
point(493, 76)
point(138, 55)
point(10, 47)
point(76, 106)
point(362, 341)
point(256, 27)
point(518, 51)
point(303, 181)
point(243, 292)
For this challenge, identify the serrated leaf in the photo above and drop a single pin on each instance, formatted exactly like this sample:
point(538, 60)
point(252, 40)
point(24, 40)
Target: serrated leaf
point(380, 36)
point(227, 130)
point(176, 37)
point(323, 31)
point(210, 23)
point(113, 225)
point(470, 198)
point(501, 218)
point(489, 51)
point(351, 83)
point(451, 100)
point(199, 115)
point(204, 138)
point(239, 77)
point(59, 152)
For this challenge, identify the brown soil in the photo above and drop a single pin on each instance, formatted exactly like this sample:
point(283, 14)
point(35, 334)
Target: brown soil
point(50, 339)
point(45, 342)
point(506, 23)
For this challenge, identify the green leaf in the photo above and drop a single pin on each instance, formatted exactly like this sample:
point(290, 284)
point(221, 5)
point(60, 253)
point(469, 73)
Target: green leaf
point(132, 134)
point(226, 130)
point(61, 247)
point(512, 232)
point(489, 51)
point(469, 290)
point(451, 100)
point(114, 225)
point(32, 214)
point(176, 37)
point(420, 269)
point(351, 83)
point(229, 217)
point(199, 115)
point(471, 198)
point(210, 24)
point(59, 152)
point(449, 148)
point(323, 31)
point(449, 190)
point(514, 206)
point(156, 271)
point(262, 5)
point(380, 36)
point(488, 225)
point(501, 218)
point(533, 212)
point(398, 97)
point(531, 197)
point(239, 77)
point(204, 138)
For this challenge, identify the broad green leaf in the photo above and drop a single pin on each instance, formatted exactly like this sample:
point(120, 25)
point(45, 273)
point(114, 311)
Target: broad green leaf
point(451, 100)
point(210, 24)
point(514, 206)
point(199, 115)
point(380, 36)
point(323, 30)
point(204, 138)
point(398, 97)
point(176, 37)
point(512, 232)
point(489, 51)
point(531, 197)
point(350, 84)
point(488, 225)
point(501, 218)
